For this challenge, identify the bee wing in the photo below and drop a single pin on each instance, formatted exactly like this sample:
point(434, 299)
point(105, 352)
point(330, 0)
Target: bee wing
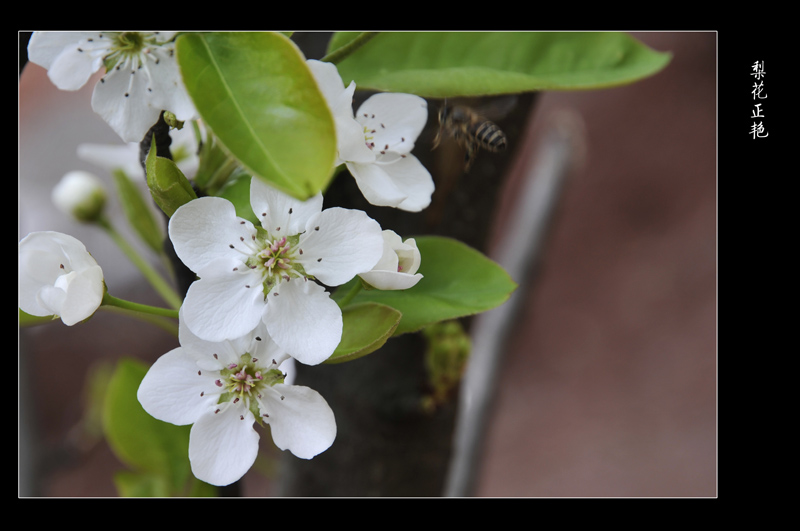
point(498, 107)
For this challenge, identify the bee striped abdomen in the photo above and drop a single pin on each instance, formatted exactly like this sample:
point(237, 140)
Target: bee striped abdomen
point(489, 136)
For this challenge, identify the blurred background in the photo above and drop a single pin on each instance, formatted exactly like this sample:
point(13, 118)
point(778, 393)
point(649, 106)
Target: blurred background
point(608, 386)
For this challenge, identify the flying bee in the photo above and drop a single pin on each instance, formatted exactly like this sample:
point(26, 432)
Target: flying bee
point(470, 130)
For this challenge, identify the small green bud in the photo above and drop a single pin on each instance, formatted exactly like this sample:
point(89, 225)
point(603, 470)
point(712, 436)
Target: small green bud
point(172, 120)
point(81, 195)
point(168, 185)
point(446, 357)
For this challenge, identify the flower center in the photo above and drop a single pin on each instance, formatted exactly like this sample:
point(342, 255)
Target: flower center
point(386, 153)
point(275, 259)
point(130, 48)
point(245, 381)
point(276, 255)
point(129, 42)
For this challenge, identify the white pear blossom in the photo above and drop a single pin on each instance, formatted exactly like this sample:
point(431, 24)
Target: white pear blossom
point(80, 194)
point(397, 268)
point(249, 274)
point(222, 388)
point(58, 277)
point(376, 143)
point(142, 75)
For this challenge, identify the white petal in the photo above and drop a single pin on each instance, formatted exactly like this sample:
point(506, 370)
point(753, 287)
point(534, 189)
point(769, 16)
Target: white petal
point(83, 296)
point(112, 157)
point(302, 422)
point(340, 243)
point(339, 98)
point(376, 185)
point(394, 120)
point(164, 36)
point(388, 280)
point(69, 61)
point(223, 307)
point(170, 391)
point(349, 133)
point(389, 260)
point(412, 179)
point(165, 89)
point(262, 347)
point(46, 257)
point(208, 355)
point(203, 230)
point(327, 76)
point(51, 299)
point(409, 255)
point(44, 47)
point(38, 270)
point(304, 321)
point(118, 99)
point(223, 446)
point(350, 142)
point(281, 214)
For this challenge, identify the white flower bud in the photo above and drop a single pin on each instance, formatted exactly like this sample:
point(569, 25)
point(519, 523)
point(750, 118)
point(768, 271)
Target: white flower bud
point(58, 276)
point(81, 195)
point(397, 268)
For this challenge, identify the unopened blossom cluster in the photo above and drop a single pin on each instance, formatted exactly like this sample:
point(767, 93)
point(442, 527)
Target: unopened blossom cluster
point(260, 297)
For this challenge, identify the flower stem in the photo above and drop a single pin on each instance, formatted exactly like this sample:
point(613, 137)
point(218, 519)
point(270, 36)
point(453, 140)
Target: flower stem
point(161, 322)
point(342, 52)
point(344, 301)
point(169, 295)
point(109, 300)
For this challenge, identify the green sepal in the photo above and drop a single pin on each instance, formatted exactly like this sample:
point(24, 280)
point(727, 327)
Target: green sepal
point(26, 319)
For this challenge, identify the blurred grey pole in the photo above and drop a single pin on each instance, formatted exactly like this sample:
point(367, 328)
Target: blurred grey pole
point(519, 252)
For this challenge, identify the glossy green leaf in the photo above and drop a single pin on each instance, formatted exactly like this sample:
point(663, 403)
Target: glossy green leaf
point(450, 64)
point(140, 441)
point(237, 191)
point(457, 281)
point(138, 213)
point(256, 93)
point(366, 327)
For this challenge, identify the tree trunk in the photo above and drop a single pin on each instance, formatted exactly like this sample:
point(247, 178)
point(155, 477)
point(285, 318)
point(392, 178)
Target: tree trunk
point(387, 443)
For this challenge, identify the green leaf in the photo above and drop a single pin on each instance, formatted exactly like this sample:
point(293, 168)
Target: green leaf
point(367, 326)
point(258, 96)
point(168, 185)
point(141, 485)
point(237, 192)
point(451, 64)
point(138, 212)
point(457, 281)
point(140, 441)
